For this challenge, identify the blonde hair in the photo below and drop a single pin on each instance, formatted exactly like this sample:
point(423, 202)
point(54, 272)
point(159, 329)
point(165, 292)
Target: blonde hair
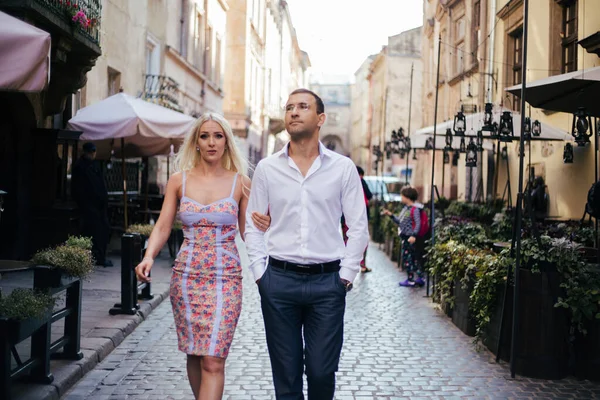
point(188, 157)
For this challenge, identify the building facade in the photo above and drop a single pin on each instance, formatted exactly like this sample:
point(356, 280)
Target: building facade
point(335, 132)
point(265, 63)
point(392, 91)
point(481, 49)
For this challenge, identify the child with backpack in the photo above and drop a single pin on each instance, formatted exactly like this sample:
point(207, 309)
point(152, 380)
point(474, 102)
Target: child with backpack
point(413, 225)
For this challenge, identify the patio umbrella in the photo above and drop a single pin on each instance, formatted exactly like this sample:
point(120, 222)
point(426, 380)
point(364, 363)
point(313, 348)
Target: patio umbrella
point(474, 122)
point(132, 127)
point(24, 56)
point(565, 93)
point(146, 129)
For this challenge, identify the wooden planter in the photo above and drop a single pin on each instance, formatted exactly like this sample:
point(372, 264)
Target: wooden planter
point(492, 331)
point(52, 277)
point(543, 330)
point(587, 353)
point(461, 315)
point(19, 330)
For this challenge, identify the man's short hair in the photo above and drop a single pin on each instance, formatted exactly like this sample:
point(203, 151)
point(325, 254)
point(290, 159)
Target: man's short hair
point(410, 193)
point(89, 147)
point(320, 105)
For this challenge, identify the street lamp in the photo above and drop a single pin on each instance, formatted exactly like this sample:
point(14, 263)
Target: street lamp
point(446, 157)
point(504, 153)
point(415, 154)
point(506, 127)
point(488, 123)
point(568, 154)
point(455, 158)
point(471, 157)
point(581, 124)
point(479, 141)
point(460, 124)
point(463, 147)
point(448, 140)
point(527, 130)
point(536, 129)
point(429, 144)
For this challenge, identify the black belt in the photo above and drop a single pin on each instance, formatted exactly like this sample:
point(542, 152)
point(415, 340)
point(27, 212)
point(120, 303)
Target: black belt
point(332, 266)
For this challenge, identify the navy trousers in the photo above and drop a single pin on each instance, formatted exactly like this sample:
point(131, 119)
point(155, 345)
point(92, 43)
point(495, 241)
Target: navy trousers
point(297, 306)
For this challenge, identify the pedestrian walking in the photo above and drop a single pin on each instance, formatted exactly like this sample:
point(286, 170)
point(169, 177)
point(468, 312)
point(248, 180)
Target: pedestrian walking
point(412, 223)
point(368, 197)
point(211, 191)
point(301, 265)
point(91, 196)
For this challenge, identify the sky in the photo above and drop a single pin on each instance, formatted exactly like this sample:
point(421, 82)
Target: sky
point(339, 35)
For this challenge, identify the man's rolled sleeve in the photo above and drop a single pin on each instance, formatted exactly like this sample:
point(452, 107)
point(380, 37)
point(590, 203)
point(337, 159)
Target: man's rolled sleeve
point(255, 238)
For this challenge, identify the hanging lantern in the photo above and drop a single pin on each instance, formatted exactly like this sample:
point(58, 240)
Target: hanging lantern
point(506, 131)
point(471, 157)
point(479, 141)
point(401, 133)
point(388, 149)
point(402, 151)
point(448, 140)
point(488, 124)
point(455, 158)
point(460, 124)
point(536, 128)
point(429, 144)
point(568, 154)
point(527, 129)
point(414, 154)
point(504, 153)
point(446, 157)
point(581, 125)
point(463, 147)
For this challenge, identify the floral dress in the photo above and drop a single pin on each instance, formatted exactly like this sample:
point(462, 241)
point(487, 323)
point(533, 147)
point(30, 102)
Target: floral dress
point(206, 282)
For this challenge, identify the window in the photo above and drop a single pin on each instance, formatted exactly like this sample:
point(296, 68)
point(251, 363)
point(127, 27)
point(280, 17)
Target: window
point(208, 65)
point(183, 35)
point(476, 29)
point(114, 81)
point(199, 41)
point(569, 36)
point(152, 57)
point(516, 59)
point(459, 45)
point(218, 75)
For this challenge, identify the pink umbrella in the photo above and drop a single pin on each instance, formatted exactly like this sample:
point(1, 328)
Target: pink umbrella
point(24, 56)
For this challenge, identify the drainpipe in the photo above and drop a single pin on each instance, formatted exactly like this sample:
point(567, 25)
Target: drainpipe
point(181, 21)
point(490, 72)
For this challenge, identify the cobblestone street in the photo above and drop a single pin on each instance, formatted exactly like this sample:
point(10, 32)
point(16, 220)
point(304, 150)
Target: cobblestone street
point(397, 345)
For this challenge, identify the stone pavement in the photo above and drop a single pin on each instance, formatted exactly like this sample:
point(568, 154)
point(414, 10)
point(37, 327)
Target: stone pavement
point(397, 346)
point(101, 333)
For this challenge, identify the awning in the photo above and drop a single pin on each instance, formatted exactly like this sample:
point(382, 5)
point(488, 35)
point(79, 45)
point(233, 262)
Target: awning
point(565, 93)
point(24, 56)
point(474, 123)
point(147, 129)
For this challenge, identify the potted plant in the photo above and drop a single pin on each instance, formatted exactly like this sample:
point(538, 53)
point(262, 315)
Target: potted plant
point(23, 312)
point(60, 265)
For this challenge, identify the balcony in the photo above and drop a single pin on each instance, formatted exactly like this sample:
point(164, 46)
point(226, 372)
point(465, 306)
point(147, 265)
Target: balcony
point(75, 29)
point(276, 118)
point(162, 90)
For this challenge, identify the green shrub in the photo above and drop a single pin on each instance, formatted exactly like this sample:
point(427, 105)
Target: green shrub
point(24, 303)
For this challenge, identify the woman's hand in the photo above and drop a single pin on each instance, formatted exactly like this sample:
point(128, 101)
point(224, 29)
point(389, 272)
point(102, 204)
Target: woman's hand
point(412, 240)
point(261, 221)
point(143, 270)
point(386, 212)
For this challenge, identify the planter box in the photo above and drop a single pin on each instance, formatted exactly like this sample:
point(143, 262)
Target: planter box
point(543, 330)
point(461, 315)
point(587, 353)
point(492, 331)
point(19, 330)
point(51, 277)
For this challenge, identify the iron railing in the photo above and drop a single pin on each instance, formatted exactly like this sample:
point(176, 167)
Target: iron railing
point(162, 90)
point(85, 15)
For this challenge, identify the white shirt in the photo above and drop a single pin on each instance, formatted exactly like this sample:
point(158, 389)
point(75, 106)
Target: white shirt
point(306, 212)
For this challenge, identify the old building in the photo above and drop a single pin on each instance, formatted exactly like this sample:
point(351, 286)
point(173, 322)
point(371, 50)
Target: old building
point(394, 84)
point(264, 62)
point(335, 133)
point(359, 114)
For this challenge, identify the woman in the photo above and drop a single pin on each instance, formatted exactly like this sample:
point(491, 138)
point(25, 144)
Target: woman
point(206, 283)
point(409, 222)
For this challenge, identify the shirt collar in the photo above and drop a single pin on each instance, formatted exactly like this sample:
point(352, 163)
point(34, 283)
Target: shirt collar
point(323, 151)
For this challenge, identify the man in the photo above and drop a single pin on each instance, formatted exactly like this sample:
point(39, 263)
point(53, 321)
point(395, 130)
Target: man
point(303, 287)
point(91, 196)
